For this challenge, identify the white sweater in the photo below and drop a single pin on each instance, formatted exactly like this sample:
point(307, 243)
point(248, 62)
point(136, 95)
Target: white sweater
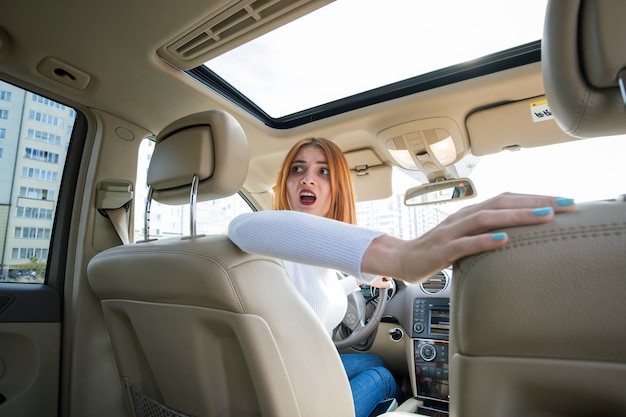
point(312, 248)
point(323, 291)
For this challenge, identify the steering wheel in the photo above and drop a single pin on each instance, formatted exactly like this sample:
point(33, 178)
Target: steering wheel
point(355, 318)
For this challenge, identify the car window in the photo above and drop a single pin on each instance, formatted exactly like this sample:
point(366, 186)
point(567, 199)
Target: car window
point(391, 216)
point(565, 169)
point(554, 170)
point(555, 175)
point(212, 217)
point(268, 70)
point(34, 138)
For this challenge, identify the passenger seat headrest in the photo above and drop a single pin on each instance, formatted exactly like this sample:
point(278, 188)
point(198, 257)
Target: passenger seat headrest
point(210, 144)
point(583, 60)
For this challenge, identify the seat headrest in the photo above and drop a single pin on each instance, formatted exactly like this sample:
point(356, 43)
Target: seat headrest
point(583, 60)
point(210, 144)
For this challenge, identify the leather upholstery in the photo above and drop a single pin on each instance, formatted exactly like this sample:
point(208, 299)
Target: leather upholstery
point(583, 51)
point(211, 144)
point(200, 326)
point(538, 326)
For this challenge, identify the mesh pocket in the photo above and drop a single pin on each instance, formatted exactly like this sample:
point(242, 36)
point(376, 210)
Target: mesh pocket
point(147, 407)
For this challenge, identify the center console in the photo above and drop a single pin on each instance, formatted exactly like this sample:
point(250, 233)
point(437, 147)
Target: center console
point(431, 328)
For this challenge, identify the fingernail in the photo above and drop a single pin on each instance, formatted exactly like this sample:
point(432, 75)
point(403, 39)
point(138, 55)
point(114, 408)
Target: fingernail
point(564, 202)
point(544, 211)
point(499, 236)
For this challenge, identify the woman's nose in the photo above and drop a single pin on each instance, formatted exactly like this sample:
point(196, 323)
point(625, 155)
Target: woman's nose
point(307, 179)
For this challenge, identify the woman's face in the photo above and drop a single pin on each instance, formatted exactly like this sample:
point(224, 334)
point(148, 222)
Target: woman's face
point(308, 183)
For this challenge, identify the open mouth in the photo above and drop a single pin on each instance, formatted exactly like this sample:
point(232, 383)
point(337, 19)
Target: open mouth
point(307, 198)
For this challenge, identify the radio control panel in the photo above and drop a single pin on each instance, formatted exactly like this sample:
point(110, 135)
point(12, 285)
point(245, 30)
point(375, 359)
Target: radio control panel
point(431, 330)
point(431, 318)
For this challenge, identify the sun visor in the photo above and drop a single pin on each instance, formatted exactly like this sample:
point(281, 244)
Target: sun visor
point(370, 176)
point(522, 124)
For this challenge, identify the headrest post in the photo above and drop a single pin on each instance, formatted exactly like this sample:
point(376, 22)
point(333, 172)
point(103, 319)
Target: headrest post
point(621, 81)
point(192, 204)
point(146, 219)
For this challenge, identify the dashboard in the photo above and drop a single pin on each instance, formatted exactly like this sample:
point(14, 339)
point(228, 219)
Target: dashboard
point(423, 311)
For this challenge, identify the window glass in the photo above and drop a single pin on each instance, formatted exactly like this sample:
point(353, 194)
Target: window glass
point(34, 137)
point(314, 59)
point(585, 170)
point(212, 217)
point(391, 216)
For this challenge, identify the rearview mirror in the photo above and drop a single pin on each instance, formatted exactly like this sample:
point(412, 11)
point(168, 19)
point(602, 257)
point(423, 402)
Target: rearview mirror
point(440, 192)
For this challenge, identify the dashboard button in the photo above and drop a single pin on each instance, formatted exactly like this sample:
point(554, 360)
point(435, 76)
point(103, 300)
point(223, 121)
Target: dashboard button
point(418, 327)
point(428, 352)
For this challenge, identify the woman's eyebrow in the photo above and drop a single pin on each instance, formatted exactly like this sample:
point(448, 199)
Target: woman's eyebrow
point(302, 161)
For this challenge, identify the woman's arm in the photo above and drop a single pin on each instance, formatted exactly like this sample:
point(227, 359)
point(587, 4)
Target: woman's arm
point(463, 233)
point(303, 238)
point(308, 239)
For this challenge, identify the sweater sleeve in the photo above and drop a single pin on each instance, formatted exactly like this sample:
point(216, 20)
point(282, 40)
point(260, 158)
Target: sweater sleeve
point(304, 238)
point(349, 285)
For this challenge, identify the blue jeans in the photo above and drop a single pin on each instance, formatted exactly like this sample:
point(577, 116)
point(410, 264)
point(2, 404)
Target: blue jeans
point(370, 381)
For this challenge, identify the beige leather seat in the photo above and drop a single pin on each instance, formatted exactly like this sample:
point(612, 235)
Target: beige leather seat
point(199, 327)
point(539, 327)
point(584, 63)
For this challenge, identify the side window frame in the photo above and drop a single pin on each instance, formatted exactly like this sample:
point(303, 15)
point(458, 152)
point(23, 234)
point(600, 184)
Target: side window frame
point(41, 300)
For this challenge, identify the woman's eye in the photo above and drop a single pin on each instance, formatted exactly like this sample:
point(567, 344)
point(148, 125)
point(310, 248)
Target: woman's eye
point(325, 171)
point(296, 169)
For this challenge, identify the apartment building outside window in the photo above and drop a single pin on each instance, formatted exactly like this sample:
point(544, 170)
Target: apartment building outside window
point(34, 138)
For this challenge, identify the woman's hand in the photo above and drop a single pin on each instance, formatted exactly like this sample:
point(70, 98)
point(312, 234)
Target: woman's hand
point(381, 282)
point(463, 233)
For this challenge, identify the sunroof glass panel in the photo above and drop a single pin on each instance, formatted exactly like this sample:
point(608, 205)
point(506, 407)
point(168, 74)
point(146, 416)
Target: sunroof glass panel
point(352, 46)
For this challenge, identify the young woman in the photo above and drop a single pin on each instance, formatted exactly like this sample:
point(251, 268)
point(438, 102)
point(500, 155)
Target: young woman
point(315, 179)
point(313, 229)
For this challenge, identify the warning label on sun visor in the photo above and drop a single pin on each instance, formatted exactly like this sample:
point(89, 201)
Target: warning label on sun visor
point(540, 111)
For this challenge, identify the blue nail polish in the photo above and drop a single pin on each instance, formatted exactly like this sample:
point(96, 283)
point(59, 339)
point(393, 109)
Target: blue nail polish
point(564, 202)
point(544, 211)
point(499, 236)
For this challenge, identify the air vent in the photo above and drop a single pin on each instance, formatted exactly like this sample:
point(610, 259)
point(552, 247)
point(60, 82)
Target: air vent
point(239, 22)
point(436, 284)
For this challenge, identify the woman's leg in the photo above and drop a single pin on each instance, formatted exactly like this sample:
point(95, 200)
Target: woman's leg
point(355, 363)
point(371, 387)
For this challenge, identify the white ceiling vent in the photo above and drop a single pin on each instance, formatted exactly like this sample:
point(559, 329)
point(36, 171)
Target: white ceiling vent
point(231, 26)
point(436, 284)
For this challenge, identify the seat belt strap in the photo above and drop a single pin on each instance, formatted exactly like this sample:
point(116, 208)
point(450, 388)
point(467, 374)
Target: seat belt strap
point(120, 222)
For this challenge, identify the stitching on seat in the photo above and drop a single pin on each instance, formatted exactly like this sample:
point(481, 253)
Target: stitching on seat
point(540, 237)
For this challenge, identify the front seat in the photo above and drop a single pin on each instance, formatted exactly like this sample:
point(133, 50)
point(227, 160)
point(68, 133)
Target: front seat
point(199, 327)
point(538, 327)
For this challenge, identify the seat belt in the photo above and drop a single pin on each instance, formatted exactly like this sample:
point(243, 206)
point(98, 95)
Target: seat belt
point(113, 198)
point(120, 222)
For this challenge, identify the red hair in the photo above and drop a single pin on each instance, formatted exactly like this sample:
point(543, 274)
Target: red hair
point(342, 206)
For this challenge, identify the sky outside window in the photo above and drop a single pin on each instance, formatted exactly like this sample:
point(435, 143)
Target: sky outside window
point(352, 46)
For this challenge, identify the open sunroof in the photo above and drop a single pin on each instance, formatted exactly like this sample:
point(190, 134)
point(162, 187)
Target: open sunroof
point(352, 53)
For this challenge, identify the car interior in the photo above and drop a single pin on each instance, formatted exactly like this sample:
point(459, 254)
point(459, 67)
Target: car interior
point(131, 134)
